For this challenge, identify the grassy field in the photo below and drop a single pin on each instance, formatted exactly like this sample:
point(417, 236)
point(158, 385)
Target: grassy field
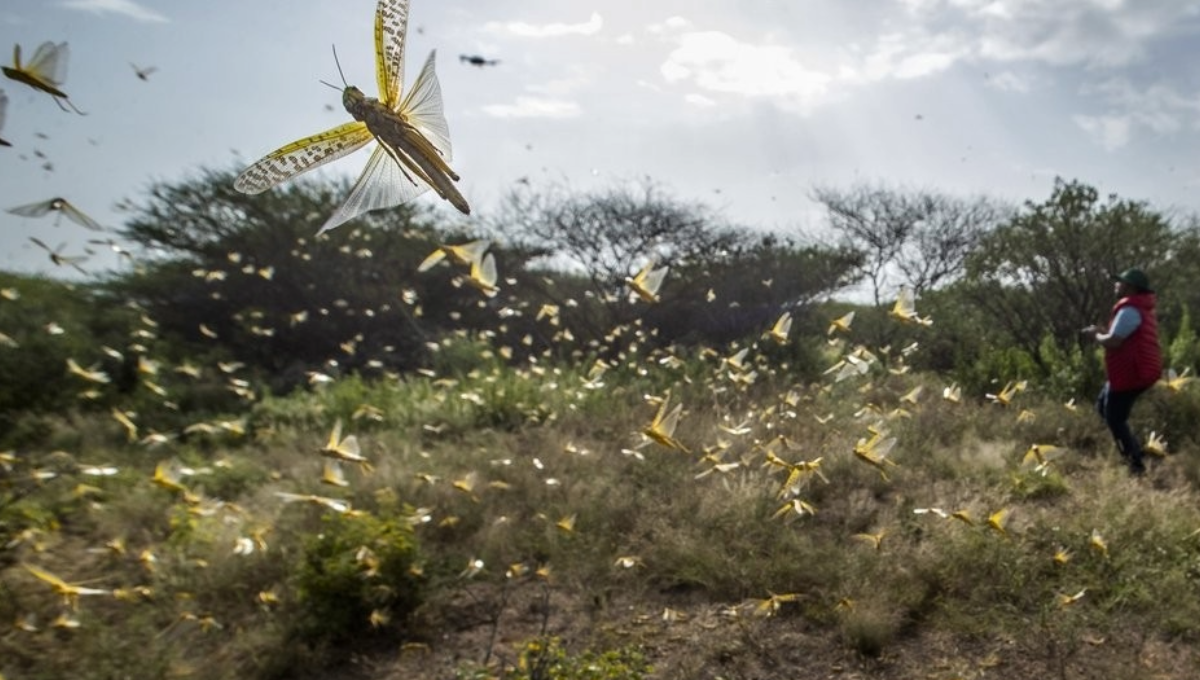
point(519, 522)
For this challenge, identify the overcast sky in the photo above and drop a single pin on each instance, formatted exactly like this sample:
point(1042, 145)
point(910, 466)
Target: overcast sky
point(743, 105)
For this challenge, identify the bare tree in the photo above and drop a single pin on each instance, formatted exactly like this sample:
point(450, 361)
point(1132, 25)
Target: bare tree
point(921, 237)
point(608, 233)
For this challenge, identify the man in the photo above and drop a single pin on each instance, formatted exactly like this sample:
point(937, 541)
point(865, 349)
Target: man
point(1132, 359)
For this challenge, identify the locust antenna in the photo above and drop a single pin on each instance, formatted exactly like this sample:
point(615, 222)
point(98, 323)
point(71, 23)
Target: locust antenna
point(339, 68)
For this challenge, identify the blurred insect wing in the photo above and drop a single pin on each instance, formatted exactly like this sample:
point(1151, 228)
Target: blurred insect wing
point(782, 327)
point(3, 111)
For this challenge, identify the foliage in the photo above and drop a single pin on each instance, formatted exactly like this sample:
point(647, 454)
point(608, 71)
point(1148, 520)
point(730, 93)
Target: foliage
point(1183, 350)
point(610, 233)
point(1048, 269)
point(275, 295)
point(547, 659)
point(357, 574)
point(47, 323)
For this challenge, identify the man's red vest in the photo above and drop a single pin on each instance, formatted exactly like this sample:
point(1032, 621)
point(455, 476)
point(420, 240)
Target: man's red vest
point(1137, 363)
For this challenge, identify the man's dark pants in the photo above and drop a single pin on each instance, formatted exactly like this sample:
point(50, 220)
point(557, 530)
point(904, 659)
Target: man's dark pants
point(1114, 407)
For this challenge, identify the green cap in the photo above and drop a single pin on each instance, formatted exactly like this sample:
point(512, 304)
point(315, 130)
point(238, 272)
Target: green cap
point(1136, 278)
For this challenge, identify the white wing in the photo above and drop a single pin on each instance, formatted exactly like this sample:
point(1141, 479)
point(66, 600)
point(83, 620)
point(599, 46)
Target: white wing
point(34, 209)
point(49, 63)
point(422, 106)
point(383, 184)
point(3, 108)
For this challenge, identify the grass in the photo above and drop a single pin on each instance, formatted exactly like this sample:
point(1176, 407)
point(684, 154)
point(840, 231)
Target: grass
point(522, 489)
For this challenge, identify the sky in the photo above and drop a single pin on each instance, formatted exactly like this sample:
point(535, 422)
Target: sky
point(744, 106)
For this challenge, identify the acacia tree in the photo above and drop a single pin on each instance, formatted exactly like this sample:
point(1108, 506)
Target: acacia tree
point(1047, 271)
point(275, 295)
point(920, 237)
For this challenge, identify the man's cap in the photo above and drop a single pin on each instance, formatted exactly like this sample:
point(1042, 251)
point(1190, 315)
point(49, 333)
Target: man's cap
point(1136, 278)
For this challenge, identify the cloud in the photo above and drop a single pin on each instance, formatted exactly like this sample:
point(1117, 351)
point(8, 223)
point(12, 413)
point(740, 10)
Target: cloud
point(1008, 81)
point(1157, 108)
point(534, 107)
point(911, 55)
point(671, 25)
point(128, 8)
point(552, 30)
point(717, 62)
point(1093, 33)
point(1112, 132)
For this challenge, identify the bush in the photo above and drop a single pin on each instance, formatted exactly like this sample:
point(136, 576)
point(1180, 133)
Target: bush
point(545, 659)
point(357, 576)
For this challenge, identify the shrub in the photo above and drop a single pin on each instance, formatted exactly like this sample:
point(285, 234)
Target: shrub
point(545, 659)
point(357, 575)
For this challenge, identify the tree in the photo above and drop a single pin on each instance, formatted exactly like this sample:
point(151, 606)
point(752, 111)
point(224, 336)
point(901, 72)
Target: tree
point(607, 234)
point(252, 271)
point(920, 237)
point(1047, 271)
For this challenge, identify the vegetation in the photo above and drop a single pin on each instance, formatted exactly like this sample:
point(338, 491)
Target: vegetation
point(555, 481)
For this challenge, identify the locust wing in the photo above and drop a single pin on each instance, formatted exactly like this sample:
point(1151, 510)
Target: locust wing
point(302, 155)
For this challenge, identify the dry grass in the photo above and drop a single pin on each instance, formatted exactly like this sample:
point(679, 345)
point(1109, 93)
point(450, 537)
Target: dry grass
point(528, 470)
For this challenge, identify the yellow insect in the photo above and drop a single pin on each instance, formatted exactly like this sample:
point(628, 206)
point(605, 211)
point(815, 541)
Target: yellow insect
point(1061, 556)
point(46, 71)
point(963, 516)
point(997, 521)
point(793, 509)
point(1005, 396)
point(566, 524)
point(467, 254)
point(662, 428)
point(93, 374)
point(1065, 600)
point(875, 540)
point(842, 324)
point(131, 428)
point(773, 603)
point(905, 309)
point(1097, 543)
point(1155, 445)
point(343, 449)
point(333, 475)
point(874, 451)
point(414, 139)
point(3, 109)
point(1177, 381)
point(913, 395)
point(70, 592)
point(952, 393)
point(338, 506)
point(168, 476)
point(646, 283)
point(783, 326)
point(483, 275)
point(1041, 456)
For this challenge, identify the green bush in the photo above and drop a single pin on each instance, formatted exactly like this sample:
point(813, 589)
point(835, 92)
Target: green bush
point(545, 659)
point(357, 575)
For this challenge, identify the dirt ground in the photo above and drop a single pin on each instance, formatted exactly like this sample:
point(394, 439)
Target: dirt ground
point(691, 640)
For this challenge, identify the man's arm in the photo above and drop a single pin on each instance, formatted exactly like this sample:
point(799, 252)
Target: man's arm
point(1123, 325)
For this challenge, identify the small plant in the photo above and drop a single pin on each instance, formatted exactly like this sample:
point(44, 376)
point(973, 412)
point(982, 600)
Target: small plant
point(356, 575)
point(546, 659)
